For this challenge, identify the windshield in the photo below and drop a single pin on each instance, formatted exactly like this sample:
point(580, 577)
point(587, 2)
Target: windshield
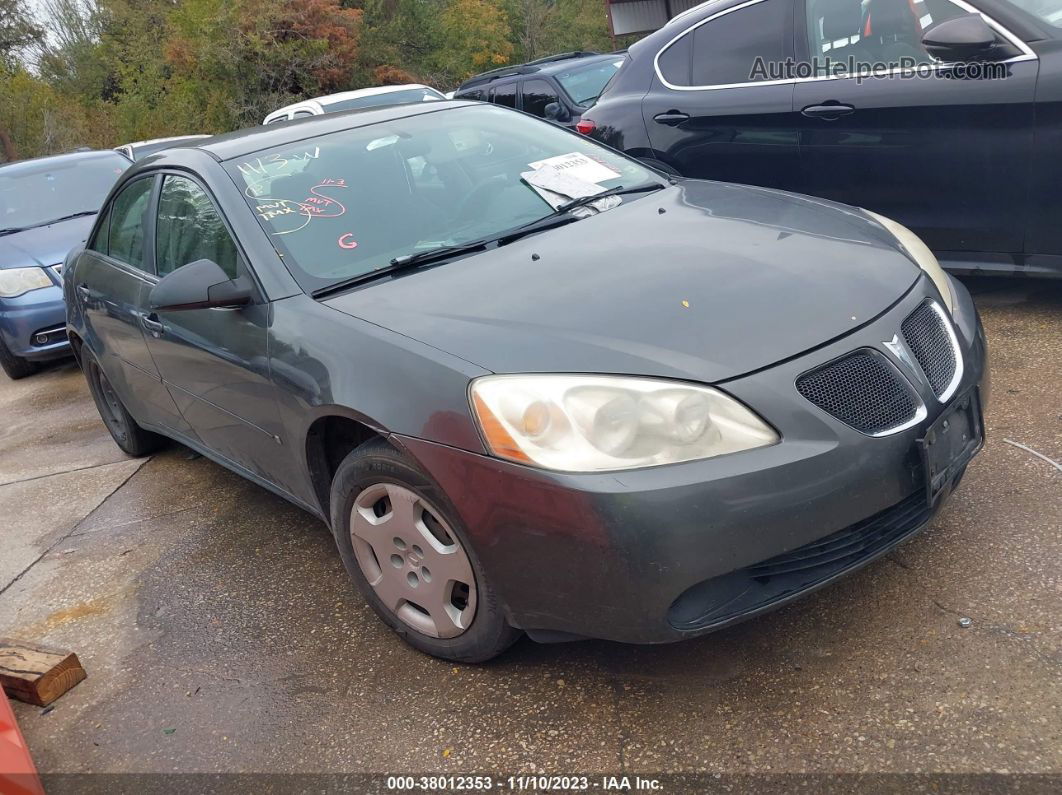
point(585, 85)
point(34, 194)
point(388, 98)
point(1049, 11)
point(344, 204)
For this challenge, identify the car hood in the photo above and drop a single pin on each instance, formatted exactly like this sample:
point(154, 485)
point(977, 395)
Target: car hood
point(44, 246)
point(704, 281)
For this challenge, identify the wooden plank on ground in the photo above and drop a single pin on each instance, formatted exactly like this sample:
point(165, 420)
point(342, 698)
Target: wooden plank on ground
point(36, 674)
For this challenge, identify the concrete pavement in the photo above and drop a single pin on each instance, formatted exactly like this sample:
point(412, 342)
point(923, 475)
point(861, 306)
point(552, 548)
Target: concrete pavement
point(220, 632)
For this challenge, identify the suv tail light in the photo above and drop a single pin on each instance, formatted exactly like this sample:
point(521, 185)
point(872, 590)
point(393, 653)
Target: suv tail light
point(585, 125)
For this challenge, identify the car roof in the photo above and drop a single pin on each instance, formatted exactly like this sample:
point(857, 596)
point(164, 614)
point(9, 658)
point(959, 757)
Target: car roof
point(166, 140)
point(32, 164)
point(254, 139)
point(550, 65)
point(342, 96)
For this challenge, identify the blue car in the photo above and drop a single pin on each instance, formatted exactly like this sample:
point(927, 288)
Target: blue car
point(47, 207)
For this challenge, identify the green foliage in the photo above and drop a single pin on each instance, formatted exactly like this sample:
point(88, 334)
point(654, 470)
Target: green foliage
point(114, 71)
point(18, 30)
point(38, 120)
point(404, 35)
point(476, 33)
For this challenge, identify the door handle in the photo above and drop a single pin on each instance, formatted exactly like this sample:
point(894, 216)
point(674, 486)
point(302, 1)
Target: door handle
point(828, 111)
point(84, 292)
point(152, 324)
point(672, 118)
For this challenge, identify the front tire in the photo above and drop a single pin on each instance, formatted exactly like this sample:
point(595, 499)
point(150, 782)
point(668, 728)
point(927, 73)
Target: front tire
point(15, 366)
point(406, 551)
point(129, 436)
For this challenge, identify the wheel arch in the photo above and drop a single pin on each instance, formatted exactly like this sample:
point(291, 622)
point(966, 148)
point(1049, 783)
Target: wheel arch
point(329, 439)
point(76, 344)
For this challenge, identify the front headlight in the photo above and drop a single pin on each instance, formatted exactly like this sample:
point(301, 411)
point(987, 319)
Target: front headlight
point(588, 423)
point(921, 254)
point(16, 281)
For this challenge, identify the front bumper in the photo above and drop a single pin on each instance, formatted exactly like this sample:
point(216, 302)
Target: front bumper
point(647, 556)
point(25, 317)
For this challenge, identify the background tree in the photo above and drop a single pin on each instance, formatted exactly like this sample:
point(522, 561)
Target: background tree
point(401, 40)
point(113, 71)
point(18, 31)
point(476, 35)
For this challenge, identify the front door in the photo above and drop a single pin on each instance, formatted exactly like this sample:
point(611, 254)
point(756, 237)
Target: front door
point(943, 153)
point(716, 109)
point(213, 361)
point(538, 94)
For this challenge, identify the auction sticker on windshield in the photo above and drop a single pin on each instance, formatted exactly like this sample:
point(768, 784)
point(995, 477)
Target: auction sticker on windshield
point(577, 165)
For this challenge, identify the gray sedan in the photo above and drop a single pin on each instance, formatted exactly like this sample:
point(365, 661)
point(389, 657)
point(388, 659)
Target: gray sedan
point(531, 384)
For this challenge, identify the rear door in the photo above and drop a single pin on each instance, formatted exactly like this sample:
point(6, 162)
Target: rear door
point(943, 153)
point(715, 110)
point(113, 276)
point(504, 95)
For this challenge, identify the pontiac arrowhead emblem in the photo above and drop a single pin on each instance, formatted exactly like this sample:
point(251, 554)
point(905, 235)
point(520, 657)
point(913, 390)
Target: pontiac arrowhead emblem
point(898, 350)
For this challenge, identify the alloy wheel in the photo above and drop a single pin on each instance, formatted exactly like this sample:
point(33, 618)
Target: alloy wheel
point(413, 560)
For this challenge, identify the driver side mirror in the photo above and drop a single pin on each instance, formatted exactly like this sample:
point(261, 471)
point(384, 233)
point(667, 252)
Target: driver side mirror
point(199, 285)
point(554, 111)
point(965, 38)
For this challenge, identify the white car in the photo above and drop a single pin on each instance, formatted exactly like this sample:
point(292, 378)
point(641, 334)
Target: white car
point(141, 149)
point(351, 100)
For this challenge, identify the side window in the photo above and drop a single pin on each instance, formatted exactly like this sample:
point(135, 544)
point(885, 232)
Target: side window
point(472, 93)
point(877, 31)
point(101, 239)
point(538, 94)
point(726, 50)
point(674, 62)
point(504, 95)
point(128, 214)
point(189, 228)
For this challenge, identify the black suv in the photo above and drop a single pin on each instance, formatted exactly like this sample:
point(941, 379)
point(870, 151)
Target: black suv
point(558, 88)
point(945, 115)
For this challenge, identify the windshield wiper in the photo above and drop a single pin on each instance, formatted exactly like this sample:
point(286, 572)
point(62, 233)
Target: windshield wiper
point(559, 217)
point(78, 214)
point(436, 254)
point(582, 201)
point(405, 262)
point(551, 221)
point(15, 229)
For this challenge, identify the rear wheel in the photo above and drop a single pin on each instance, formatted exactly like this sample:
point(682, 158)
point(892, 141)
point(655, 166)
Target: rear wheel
point(129, 436)
point(406, 551)
point(15, 366)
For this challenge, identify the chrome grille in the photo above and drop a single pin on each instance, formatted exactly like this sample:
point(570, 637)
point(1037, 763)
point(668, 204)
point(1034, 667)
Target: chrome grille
point(863, 390)
point(927, 335)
